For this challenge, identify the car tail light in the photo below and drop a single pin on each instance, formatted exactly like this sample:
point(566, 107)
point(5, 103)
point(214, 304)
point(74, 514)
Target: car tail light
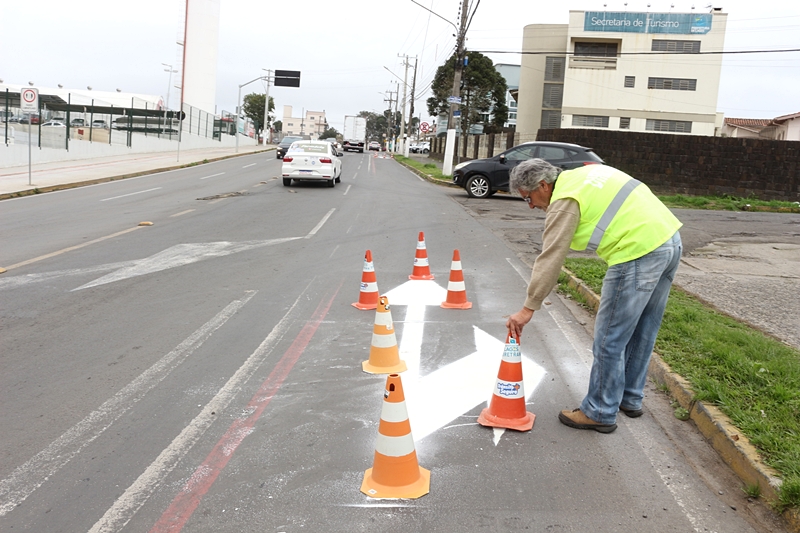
point(287, 159)
point(325, 160)
point(590, 163)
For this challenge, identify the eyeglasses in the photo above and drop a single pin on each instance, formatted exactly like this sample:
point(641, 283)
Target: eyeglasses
point(528, 198)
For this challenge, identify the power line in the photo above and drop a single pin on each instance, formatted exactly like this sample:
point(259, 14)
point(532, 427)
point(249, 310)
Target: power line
point(719, 52)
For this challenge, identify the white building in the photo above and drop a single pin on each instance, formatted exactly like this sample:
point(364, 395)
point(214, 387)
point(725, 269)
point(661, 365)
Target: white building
point(629, 71)
point(310, 125)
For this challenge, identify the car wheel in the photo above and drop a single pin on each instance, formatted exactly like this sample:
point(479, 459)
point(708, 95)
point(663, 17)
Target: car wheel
point(287, 182)
point(478, 186)
point(338, 178)
point(425, 151)
point(331, 182)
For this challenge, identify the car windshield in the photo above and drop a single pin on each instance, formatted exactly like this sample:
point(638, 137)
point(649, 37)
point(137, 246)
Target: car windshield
point(316, 148)
point(286, 141)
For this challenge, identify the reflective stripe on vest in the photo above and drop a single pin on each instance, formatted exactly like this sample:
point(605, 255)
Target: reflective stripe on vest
point(610, 212)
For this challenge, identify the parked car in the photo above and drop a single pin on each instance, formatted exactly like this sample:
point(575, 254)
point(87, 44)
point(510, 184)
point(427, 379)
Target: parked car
point(374, 145)
point(284, 145)
point(99, 124)
point(483, 177)
point(311, 161)
point(420, 148)
point(29, 119)
point(77, 123)
point(54, 124)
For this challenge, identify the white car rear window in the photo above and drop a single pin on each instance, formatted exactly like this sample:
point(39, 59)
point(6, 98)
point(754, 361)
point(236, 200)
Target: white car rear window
point(310, 148)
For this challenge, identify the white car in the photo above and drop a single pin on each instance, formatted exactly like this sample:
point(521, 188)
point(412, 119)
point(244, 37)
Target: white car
point(311, 161)
point(54, 124)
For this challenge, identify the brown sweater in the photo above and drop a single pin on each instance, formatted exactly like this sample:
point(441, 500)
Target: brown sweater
point(560, 225)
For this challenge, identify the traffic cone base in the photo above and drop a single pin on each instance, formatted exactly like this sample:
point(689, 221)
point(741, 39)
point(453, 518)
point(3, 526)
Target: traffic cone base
point(419, 488)
point(524, 423)
point(370, 368)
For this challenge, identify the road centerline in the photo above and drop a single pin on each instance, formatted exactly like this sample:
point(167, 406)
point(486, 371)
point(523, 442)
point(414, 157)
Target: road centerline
point(130, 194)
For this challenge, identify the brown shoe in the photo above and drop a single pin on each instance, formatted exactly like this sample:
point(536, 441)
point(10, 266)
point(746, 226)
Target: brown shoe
point(576, 419)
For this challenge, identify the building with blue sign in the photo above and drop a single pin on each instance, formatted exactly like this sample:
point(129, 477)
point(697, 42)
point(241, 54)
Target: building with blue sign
point(647, 72)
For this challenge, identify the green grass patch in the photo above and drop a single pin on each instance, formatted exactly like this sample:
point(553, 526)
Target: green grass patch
point(752, 378)
point(429, 169)
point(729, 203)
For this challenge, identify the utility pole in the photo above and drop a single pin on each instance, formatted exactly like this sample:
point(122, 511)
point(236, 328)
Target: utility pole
point(413, 88)
point(268, 79)
point(449, 149)
point(403, 114)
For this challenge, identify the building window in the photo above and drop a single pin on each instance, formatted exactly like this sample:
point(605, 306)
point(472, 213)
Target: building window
point(290, 124)
point(681, 47)
point(630, 81)
point(311, 118)
point(673, 84)
point(512, 116)
point(554, 69)
point(624, 123)
point(551, 119)
point(676, 126)
point(590, 121)
point(596, 49)
point(553, 94)
point(512, 103)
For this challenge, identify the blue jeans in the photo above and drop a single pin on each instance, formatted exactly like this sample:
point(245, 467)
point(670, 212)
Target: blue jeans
point(631, 308)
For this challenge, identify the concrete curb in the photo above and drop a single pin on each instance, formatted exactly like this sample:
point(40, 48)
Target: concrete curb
point(427, 177)
point(734, 448)
point(62, 186)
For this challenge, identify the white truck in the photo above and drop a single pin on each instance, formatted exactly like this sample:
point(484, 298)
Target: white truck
point(354, 134)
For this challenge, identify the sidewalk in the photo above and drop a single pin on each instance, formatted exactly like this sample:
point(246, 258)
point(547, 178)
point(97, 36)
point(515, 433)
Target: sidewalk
point(66, 174)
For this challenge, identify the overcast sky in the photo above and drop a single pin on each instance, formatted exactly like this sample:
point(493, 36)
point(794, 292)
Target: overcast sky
point(344, 47)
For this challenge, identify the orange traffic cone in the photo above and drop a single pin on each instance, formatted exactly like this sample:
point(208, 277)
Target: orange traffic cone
point(368, 297)
point(395, 472)
point(421, 268)
point(384, 356)
point(456, 290)
point(507, 408)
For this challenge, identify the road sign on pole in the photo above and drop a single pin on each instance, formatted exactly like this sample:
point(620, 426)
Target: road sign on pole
point(424, 127)
point(287, 78)
point(454, 99)
point(29, 100)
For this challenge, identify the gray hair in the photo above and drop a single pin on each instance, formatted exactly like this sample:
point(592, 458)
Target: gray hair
point(528, 175)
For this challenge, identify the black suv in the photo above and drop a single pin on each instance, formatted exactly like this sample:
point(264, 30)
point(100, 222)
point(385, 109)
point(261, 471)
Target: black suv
point(484, 177)
point(284, 145)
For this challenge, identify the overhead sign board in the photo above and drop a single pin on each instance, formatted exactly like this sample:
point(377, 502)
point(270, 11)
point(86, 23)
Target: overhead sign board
point(624, 22)
point(29, 100)
point(287, 78)
point(454, 99)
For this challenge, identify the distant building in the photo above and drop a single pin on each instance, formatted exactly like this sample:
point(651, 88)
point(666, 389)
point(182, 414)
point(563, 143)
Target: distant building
point(783, 128)
point(310, 125)
point(511, 75)
point(623, 71)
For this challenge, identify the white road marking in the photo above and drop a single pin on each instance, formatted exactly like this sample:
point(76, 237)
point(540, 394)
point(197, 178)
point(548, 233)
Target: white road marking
point(321, 222)
point(470, 380)
point(33, 473)
point(18, 281)
point(213, 176)
point(180, 255)
point(250, 165)
point(76, 247)
point(334, 251)
point(140, 491)
point(131, 194)
point(181, 213)
point(347, 190)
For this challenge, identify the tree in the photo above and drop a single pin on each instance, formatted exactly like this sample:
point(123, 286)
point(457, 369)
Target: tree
point(380, 125)
point(483, 90)
point(278, 125)
point(328, 133)
point(253, 108)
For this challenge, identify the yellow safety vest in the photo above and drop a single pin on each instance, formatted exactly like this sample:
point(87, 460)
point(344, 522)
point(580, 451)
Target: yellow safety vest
point(620, 217)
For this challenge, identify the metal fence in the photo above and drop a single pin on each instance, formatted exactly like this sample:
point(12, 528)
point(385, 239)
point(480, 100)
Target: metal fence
point(60, 122)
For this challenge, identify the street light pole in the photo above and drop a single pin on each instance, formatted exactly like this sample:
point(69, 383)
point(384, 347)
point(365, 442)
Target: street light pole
point(169, 86)
point(238, 110)
point(266, 107)
point(449, 150)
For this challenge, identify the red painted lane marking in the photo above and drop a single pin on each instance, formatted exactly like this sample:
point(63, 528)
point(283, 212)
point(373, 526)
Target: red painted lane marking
point(185, 503)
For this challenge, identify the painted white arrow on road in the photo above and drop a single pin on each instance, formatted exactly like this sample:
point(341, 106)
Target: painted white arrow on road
point(179, 255)
point(438, 398)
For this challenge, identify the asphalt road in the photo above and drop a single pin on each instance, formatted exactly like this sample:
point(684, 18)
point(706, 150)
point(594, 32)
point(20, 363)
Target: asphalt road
point(204, 373)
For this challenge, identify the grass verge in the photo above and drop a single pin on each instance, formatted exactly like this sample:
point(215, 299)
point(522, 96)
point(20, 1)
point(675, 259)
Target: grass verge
point(752, 378)
point(729, 203)
point(429, 169)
